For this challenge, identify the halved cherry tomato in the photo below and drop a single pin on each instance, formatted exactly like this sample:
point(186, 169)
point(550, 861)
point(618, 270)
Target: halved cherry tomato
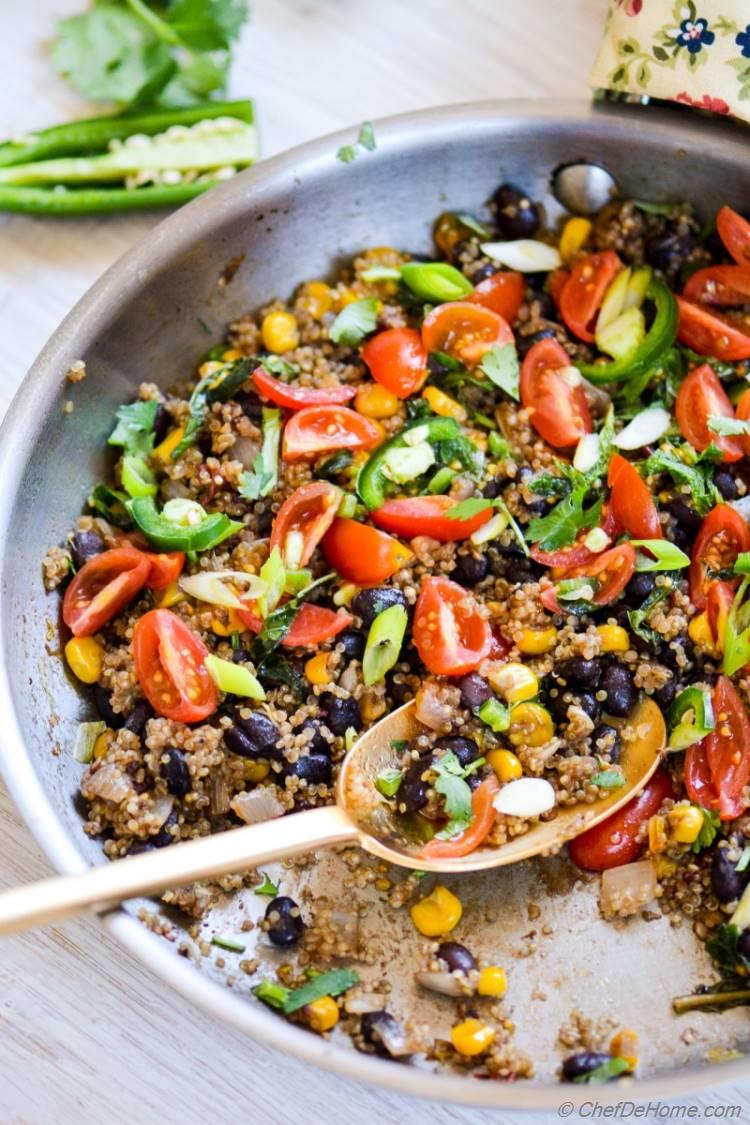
point(169, 662)
point(743, 413)
point(632, 504)
point(719, 285)
point(719, 600)
point(397, 360)
point(426, 515)
point(717, 769)
point(450, 632)
point(362, 554)
point(103, 587)
point(583, 292)
point(734, 232)
point(295, 397)
point(464, 330)
point(556, 283)
point(553, 391)
point(324, 429)
point(578, 553)
point(302, 521)
point(709, 333)
point(548, 598)
point(722, 536)
point(619, 839)
point(165, 569)
point(503, 293)
point(613, 569)
point(482, 820)
point(312, 625)
point(701, 396)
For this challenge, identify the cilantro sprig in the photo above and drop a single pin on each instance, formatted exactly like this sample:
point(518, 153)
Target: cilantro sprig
point(450, 782)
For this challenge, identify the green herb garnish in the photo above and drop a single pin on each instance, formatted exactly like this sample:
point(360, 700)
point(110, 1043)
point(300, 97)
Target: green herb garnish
point(267, 887)
point(279, 622)
point(467, 509)
point(228, 943)
point(602, 1074)
point(450, 783)
point(388, 782)
point(501, 366)
point(332, 983)
point(354, 322)
point(709, 830)
point(561, 526)
point(219, 386)
point(135, 428)
point(609, 779)
point(263, 477)
point(365, 140)
point(698, 476)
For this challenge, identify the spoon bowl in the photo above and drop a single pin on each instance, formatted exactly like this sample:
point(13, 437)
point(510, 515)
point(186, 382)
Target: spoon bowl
point(583, 188)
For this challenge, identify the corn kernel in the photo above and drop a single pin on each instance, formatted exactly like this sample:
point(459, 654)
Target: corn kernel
point(210, 367)
point(101, 746)
point(226, 623)
point(170, 596)
point(345, 593)
point(444, 405)
point(530, 725)
point(316, 669)
point(254, 770)
point(231, 355)
point(322, 1014)
point(492, 981)
point(472, 1037)
point(316, 298)
point(279, 332)
point(613, 638)
point(514, 681)
point(375, 401)
point(164, 449)
point(685, 823)
point(573, 238)
point(535, 642)
point(657, 834)
point(505, 764)
point(624, 1045)
point(700, 633)
point(346, 297)
point(438, 913)
point(85, 657)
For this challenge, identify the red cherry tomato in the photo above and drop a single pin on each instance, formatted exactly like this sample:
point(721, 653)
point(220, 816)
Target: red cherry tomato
point(464, 330)
point(324, 429)
point(743, 413)
point(722, 536)
point(503, 293)
point(717, 769)
point(554, 394)
point(719, 285)
point(397, 360)
point(312, 625)
point(169, 662)
point(165, 569)
point(556, 283)
point(700, 396)
point(711, 334)
point(719, 598)
point(482, 820)
point(296, 398)
point(102, 588)
point(578, 553)
point(734, 232)
point(302, 521)
point(613, 569)
point(450, 632)
point(632, 504)
point(583, 292)
point(362, 554)
point(619, 839)
point(426, 515)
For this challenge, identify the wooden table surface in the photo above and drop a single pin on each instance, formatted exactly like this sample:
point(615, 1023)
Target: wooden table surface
point(87, 1035)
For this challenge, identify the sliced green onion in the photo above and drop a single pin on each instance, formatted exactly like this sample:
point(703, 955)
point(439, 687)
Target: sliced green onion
point(403, 463)
point(498, 446)
point(86, 736)
point(384, 642)
point(494, 526)
point(228, 943)
point(209, 586)
point(381, 273)
point(267, 887)
point(742, 563)
point(388, 782)
point(495, 714)
point(435, 281)
point(348, 506)
point(332, 983)
point(274, 574)
point(744, 860)
point(350, 737)
point(137, 478)
point(577, 589)
point(271, 993)
point(297, 580)
point(667, 555)
point(441, 481)
point(690, 718)
point(235, 679)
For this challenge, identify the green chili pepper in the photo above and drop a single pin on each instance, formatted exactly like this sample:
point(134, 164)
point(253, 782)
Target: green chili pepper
point(495, 714)
point(659, 338)
point(373, 479)
point(384, 642)
point(137, 478)
point(695, 702)
point(97, 201)
point(170, 535)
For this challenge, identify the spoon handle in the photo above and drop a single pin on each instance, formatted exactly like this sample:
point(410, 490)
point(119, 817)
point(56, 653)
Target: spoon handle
point(226, 853)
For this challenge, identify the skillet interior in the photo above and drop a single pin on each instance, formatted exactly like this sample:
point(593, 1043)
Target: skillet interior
point(290, 219)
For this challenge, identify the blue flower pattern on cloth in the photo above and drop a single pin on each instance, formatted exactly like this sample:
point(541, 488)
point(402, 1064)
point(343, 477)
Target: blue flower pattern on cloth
point(743, 40)
point(694, 35)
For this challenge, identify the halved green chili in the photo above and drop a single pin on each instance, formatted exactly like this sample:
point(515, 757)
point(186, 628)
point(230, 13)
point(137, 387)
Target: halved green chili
point(167, 535)
point(683, 732)
point(373, 480)
point(659, 338)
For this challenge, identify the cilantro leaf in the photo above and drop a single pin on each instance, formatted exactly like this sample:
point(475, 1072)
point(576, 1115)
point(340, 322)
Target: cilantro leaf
point(560, 527)
point(207, 25)
point(465, 509)
point(501, 367)
point(709, 830)
point(639, 617)
point(279, 622)
point(354, 322)
point(262, 478)
point(366, 136)
point(346, 154)
point(451, 785)
point(219, 386)
point(727, 427)
point(267, 887)
point(609, 779)
point(135, 426)
point(698, 477)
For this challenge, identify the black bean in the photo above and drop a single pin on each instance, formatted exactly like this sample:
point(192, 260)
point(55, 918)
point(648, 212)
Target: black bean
point(475, 690)
point(317, 742)
point(511, 563)
point(581, 672)
point(663, 697)
point(638, 588)
point(589, 704)
point(495, 486)
point(583, 1062)
point(138, 717)
point(622, 694)
point(164, 837)
point(516, 215)
point(412, 792)
point(138, 847)
point(84, 546)
point(456, 956)
point(240, 743)
point(609, 737)
point(175, 771)
point(285, 925)
point(373, 1025)
point(250, 405)
point(726, 484)
point(726, 883)
point(353, 642)
point(162, 423)
point(686, 516)
point(667, 252)
point(482, 272)
point(315, 769)
point(465, 749)
point(103, 704)
point(367, 604)
point(525, 341)
point(261, 730)
point(264, 521)
point(340, 714)
point(743, 944)
point(470, 569)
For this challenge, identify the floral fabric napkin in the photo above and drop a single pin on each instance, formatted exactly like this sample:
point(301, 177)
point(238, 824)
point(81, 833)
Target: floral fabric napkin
point(694, 53)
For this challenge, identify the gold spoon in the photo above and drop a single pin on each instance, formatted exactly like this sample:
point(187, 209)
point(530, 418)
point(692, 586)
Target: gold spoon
point(359, 816)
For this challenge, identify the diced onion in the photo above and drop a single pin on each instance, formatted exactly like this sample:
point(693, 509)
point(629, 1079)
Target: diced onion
point(587, 453)
point(435, 706)
point(108, 782)
point(258, 805)
point(527, 796)
point(524, 254)
point(646, 428)
point(209, 586)
point(445, 983)
point(491, 529)
point(627, 889)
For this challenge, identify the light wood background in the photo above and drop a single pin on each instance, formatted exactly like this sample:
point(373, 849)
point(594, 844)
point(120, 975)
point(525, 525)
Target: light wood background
point(87, 1035)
